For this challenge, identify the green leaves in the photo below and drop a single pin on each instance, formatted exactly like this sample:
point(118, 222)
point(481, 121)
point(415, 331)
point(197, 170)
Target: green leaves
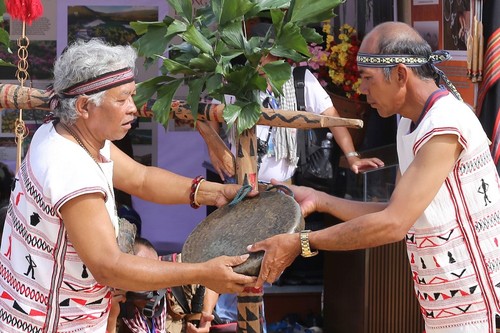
point(312, 11)
point(195, 88)
point(245, 115)
point(194, 37)
point(6, 64)
point(209, 52)
point(226, 11)
point(152, 32)
point(4, 37)
point(183, 8)
point(277, 72)
point(163, 105)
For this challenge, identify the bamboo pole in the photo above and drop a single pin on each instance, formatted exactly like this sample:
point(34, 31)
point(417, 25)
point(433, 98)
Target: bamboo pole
point(16, 97)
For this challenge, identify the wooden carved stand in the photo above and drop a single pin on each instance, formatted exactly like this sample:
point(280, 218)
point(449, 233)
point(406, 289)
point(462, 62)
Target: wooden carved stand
point(250, 301)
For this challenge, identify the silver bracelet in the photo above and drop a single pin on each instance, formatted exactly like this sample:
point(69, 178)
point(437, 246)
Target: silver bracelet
point(352, 153)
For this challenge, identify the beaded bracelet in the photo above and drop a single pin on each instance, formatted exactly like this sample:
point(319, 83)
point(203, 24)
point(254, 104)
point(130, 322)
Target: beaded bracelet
point(195, 185)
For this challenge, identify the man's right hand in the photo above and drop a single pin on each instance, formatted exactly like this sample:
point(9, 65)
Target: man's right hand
point(306, 197)
point(220, 277)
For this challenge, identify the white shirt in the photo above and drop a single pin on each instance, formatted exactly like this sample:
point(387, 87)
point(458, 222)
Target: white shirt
point(316, 101)
point(453, 247)
point(47, 284)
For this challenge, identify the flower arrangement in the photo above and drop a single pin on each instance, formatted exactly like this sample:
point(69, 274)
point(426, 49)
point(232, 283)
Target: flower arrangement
point(335, 64)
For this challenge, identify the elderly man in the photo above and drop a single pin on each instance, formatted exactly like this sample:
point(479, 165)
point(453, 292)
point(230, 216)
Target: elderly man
point(439, 204)
point(60, 256)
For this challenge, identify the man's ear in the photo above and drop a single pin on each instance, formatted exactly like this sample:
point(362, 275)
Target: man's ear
point(402, 74)
point(81, 106)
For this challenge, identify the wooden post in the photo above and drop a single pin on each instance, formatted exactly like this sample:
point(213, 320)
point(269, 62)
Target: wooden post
point(250, 314)
point(246, 158)
point(250, 301)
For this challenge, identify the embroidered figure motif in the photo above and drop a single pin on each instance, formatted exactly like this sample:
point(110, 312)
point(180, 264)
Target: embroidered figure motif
point(423, 263)
point(436, 262)
point(85, 274)
point(34, 219)
point(8, 254)
point(483, 189)
point(452, 260)
point(31, 267)
point(18, 197)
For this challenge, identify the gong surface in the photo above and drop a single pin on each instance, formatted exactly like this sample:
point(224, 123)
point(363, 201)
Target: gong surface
point(229, 230)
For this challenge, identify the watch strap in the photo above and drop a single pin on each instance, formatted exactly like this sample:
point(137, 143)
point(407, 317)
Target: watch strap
point(305, 246)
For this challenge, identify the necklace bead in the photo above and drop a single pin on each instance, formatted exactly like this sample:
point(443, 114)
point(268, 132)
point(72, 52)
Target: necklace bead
point(80, 143)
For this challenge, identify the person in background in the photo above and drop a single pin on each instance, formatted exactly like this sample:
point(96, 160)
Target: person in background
point(133, 319)
point(438, 206)
point(279, 161)
point(128, 314)
point(6, 179)
point(60, 235)
point(3, 214)
point(189, 305)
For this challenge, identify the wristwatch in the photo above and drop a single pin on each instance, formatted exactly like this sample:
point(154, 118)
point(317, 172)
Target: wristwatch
point(305, 246)
point(352, 154)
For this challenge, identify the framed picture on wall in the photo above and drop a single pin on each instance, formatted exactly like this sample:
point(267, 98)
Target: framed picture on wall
point(456, 21)
point(425, 2)
point(365, 14)
point(429, 30)
point(42, 45)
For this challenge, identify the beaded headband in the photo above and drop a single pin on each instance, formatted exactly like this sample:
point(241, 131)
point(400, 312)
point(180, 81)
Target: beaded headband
point(94, 85)
point(391, 60)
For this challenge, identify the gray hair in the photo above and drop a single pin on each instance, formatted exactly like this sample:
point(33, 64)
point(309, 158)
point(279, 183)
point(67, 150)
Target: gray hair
point(408, 46)
point(399, 38)
point(85, 60)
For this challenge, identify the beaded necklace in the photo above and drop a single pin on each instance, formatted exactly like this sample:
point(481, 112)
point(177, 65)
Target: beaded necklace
point(80, 143)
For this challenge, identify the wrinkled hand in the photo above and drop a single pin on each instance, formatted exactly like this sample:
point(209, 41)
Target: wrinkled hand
point(220, 277)
point(306, 197)
point(280, 252)
point(228, 192)
point(224, 167)
point(361, 164)
point(205, 323)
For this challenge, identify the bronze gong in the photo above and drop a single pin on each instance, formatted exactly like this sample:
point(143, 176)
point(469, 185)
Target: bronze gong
point(230, 229)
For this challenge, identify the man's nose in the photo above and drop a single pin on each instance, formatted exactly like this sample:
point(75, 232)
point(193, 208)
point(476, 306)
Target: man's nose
point(363, 87)
point(131, 105)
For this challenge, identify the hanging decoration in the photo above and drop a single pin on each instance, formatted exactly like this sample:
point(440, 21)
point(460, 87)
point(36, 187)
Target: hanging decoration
point(475, 44)
point(26, 11)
